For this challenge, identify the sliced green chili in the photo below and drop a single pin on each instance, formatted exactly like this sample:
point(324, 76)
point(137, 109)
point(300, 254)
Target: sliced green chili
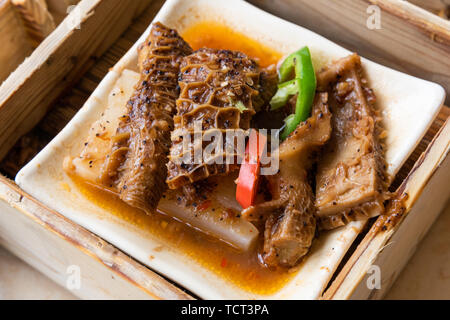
point(285, 91)
point(289, 67)
point(298, 64)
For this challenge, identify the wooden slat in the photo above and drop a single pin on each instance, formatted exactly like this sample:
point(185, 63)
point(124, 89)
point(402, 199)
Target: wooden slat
point(16, 45)
point(439, 7)
point(435, 127)
point(433, 26)
point(105, 271)
point(61, 59)
point(37, 20)
point(59, 8)
point(411, 39)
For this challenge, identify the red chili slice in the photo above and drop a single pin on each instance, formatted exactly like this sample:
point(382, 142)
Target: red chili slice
point(247, 185)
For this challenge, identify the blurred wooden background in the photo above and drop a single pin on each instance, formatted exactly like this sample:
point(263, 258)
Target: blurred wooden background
point(23, 26)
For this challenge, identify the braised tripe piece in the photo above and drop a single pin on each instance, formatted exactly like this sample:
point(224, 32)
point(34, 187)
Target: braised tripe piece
point(138, 157)
point(351, 181)
point(291, 223)
point(219, 88)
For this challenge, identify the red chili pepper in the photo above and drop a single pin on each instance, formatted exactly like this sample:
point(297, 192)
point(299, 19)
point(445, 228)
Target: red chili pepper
point(247, 185)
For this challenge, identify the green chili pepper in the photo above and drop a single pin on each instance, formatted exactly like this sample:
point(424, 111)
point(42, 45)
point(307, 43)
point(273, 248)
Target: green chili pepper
point(304, 84)
point(285, 91)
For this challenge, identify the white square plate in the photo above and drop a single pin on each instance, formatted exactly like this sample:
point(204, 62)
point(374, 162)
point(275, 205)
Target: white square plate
point(408, 104)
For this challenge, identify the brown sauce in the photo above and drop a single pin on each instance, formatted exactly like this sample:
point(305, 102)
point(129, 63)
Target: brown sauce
point(211, 34)
point(395, 210)
point(240, 268)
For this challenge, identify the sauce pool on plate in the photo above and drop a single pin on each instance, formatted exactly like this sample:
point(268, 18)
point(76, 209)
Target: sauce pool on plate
point(211, 34)
point(240, 268)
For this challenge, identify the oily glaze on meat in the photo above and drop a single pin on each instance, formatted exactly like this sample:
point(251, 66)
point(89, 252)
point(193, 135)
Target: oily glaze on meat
point(219, 91)
point(351, 173)
point(291, 225)
point(136, 165)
